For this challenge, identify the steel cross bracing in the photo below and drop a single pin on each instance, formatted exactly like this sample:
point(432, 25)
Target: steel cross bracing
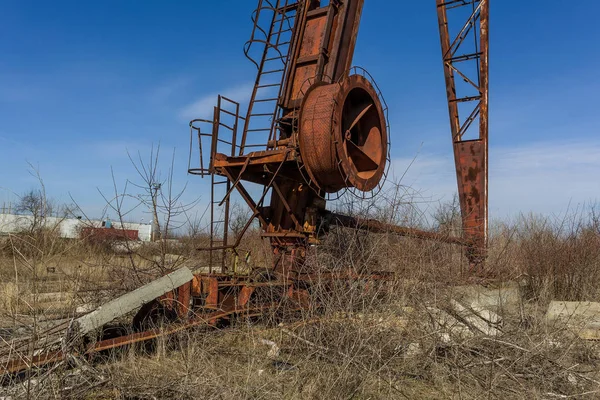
point(463, 26)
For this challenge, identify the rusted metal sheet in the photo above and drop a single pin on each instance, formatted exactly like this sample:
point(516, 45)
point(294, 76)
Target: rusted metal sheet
point(323, 46)
point(312, 40)
point(183, 300)
point(471, 172)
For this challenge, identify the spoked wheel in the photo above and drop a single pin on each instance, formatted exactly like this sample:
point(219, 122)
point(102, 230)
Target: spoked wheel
point(362, 128)
point(152, 315)
point(343, 135)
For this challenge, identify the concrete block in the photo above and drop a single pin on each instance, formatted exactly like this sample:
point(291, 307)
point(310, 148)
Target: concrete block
point(448, 326)
point(574, 312)
point(477, 297)
point(130, 301)
point(581, 317)
point(475, 321)
point(589, 332)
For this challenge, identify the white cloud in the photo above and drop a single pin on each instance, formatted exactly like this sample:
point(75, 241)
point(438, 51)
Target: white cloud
point(168, 89)
point(542, 177)
point(203, 107)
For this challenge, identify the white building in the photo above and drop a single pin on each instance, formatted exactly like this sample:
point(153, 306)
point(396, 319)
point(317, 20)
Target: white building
point(69, 227)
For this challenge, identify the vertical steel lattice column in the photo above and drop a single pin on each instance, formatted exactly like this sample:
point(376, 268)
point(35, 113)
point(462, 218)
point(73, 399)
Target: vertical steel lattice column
point(465, 53)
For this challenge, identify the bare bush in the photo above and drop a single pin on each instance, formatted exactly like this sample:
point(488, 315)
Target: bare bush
point(561, 258)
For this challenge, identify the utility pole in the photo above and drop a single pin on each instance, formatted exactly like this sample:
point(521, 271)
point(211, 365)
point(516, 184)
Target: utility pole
point(156, 234)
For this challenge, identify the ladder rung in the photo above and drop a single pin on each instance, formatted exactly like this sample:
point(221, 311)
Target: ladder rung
point(265, 87)
point(278, 21)
point(275, 58)
point(265, 100)
point(220, 182)
point(288, 7)
point(228, 112)
point(217, 222)
point(258, 130)
point(268, 85)
point(280, 32)
point(271, 72)
point(262, 115)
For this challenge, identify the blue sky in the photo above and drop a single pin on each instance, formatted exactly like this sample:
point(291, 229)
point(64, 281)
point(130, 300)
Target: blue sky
point(82, 81)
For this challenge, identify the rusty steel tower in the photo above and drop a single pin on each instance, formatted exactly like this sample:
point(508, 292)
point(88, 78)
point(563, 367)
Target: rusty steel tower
point(464, 27)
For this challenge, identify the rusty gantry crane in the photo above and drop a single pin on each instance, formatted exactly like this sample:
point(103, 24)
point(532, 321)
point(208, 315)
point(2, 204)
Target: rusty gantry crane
point(315, 127)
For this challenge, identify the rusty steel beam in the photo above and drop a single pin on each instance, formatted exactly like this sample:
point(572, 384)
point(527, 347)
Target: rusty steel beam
point(375, 226)
point(470, 142)
point(25, 362)
point(322, 47)
point(203, 319)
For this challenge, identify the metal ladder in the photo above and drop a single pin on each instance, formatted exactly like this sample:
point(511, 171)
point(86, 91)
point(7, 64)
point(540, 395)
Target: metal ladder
point(263, 110)
point(223, 138)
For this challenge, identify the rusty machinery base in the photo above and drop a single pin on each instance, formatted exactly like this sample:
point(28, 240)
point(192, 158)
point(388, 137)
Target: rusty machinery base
point(209, 300)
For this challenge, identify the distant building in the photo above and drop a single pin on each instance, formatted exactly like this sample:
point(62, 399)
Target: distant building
point(70, 227)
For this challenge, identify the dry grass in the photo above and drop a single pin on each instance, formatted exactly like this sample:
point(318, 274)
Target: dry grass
point(363, 343)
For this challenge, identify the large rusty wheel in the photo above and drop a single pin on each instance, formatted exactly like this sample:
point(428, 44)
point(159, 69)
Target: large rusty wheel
point(343, 135)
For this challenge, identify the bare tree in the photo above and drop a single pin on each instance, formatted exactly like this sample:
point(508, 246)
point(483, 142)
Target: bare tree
point(158, 194)
point(37, 206)
point(33, 205)
point(154, 192)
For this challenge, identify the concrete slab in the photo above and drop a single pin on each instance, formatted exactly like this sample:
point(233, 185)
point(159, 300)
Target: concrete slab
point(581, 317)
point(589, 332)
point(574, 312)
point(500, 299)
point(475, 321)
point(447, 326)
